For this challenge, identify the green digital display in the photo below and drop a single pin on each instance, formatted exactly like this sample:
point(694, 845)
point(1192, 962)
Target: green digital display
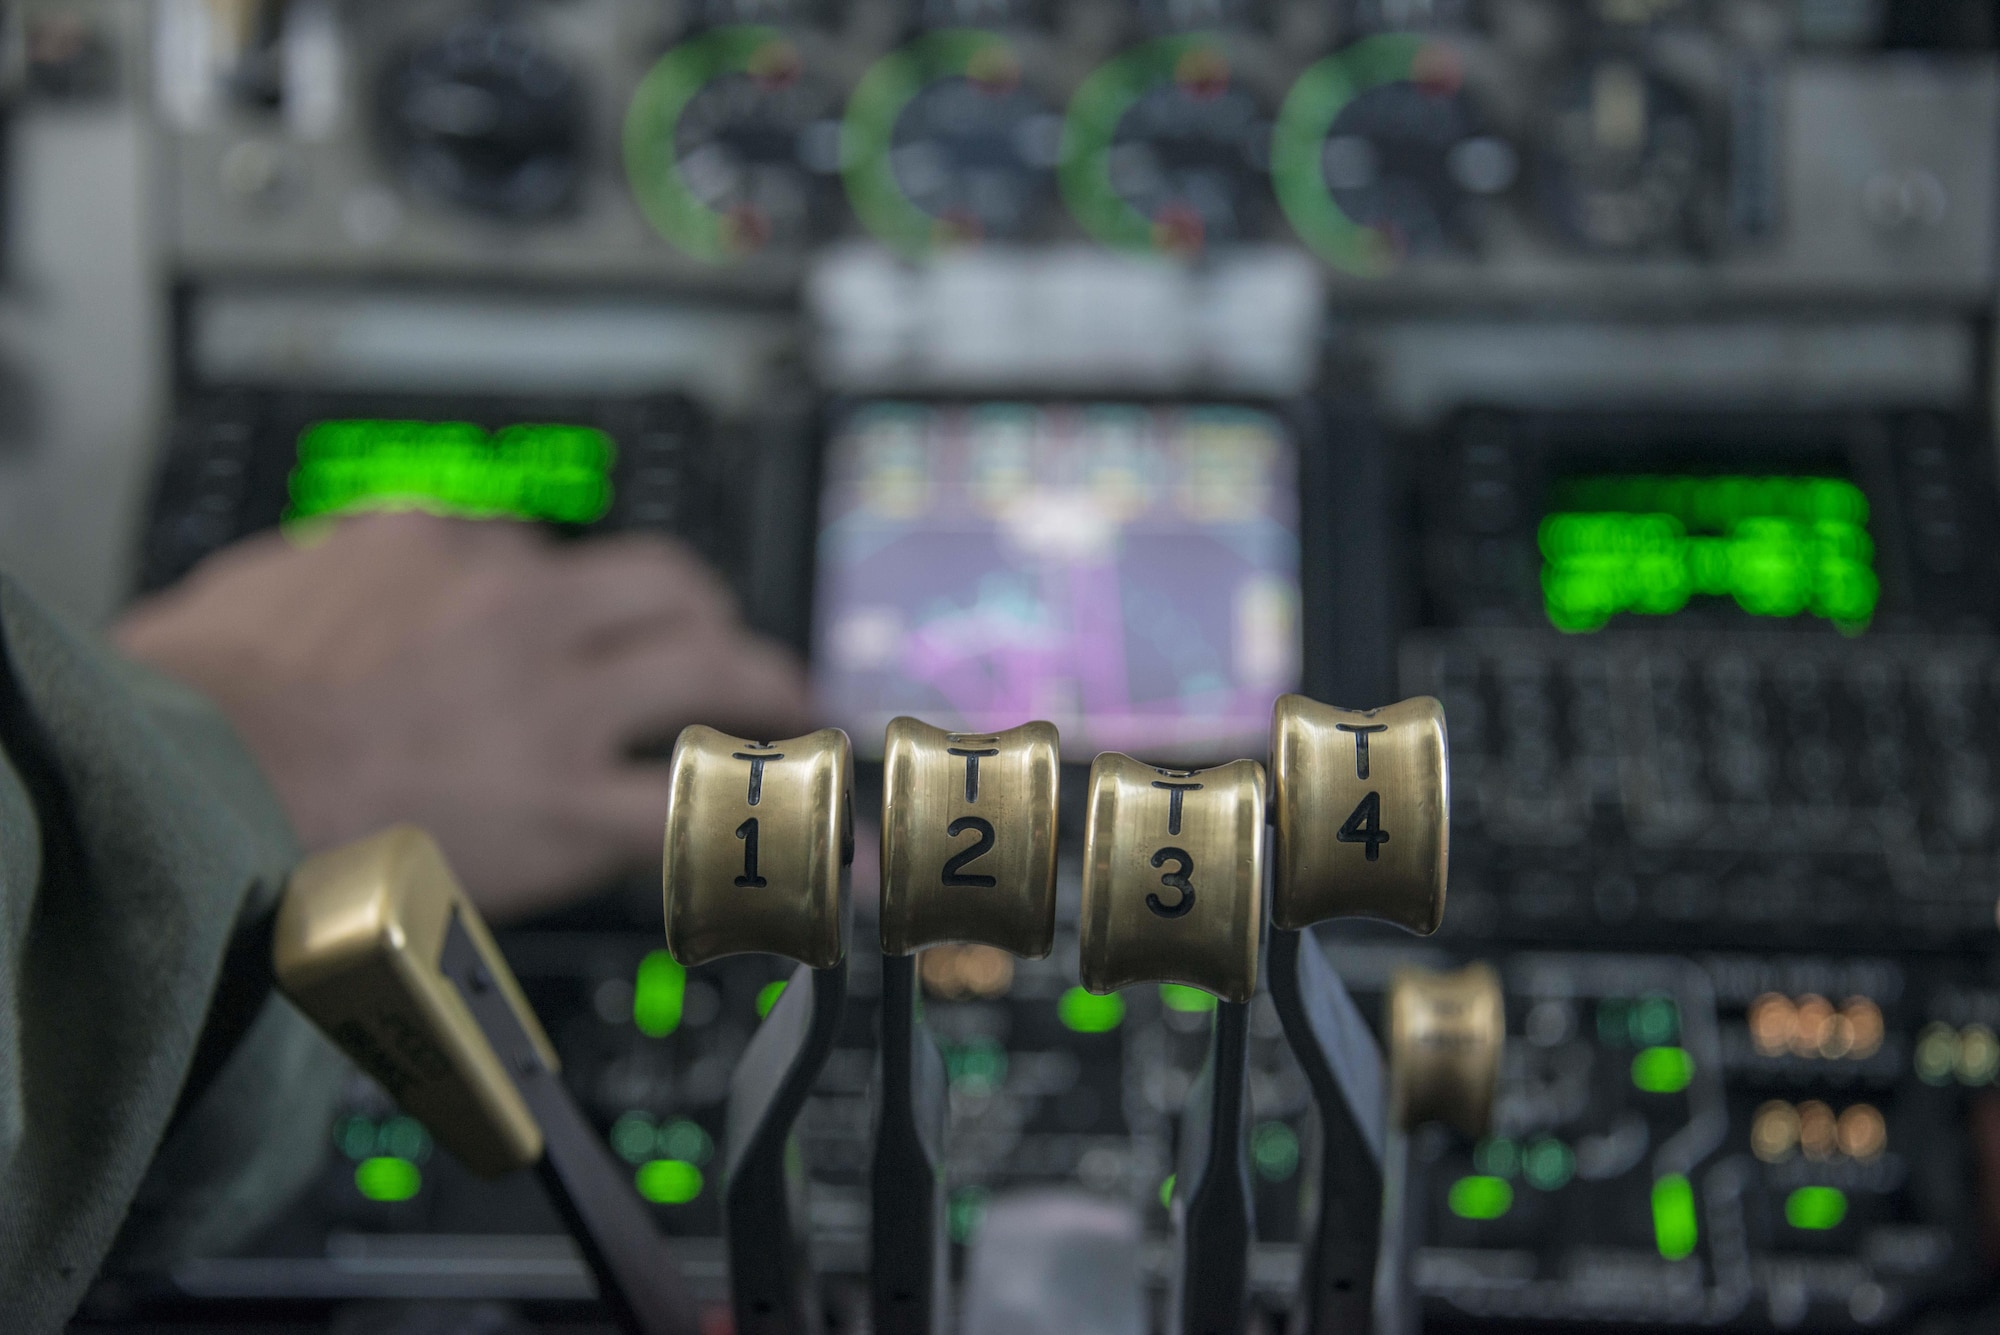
point(1650, 543)
point(532, 471)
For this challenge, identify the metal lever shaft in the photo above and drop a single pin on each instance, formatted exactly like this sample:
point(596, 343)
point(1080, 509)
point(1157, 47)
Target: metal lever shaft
point(909, 1269)
point(1215, 1213)
point(1344, 1067)
point(764, 1220)
point(636, 1278)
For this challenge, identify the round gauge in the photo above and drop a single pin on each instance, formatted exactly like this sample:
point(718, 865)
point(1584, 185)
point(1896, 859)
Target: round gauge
point(729, 147)
point(944, 145)
point(486, 119)
point(1379, 154)
point(1622, 162)
point(1164, 149)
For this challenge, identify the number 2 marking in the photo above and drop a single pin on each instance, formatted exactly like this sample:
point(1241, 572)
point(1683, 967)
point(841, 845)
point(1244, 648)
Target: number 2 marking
point(1365, 827)
point(980, 848)
point(747, 832)
point(1177, 879)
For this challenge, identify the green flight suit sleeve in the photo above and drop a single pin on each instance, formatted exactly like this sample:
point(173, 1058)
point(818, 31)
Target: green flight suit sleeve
point(139, 853)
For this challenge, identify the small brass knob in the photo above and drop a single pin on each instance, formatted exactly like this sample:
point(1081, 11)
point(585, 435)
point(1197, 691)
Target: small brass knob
point(1173, 876)
point(760, 836)
point(1446, 1034)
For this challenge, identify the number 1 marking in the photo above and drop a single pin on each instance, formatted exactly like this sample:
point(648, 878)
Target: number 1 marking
point(747, 832)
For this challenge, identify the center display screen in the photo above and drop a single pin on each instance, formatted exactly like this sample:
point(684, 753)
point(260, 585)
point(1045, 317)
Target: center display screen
point(1128, 572)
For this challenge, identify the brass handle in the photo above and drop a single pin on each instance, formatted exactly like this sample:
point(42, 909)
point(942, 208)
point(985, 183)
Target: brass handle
point(1173, 876)
point(1446, 1035)
point(969, 837)
point(1363, 813)
point(358, 946)
point(759, 838)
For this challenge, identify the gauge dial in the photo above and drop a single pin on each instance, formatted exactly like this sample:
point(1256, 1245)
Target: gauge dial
point(1379, 154)
point(730, 146)
point(1165, 149)
point(486, 119)
point(943, 144)
point(1622, 163)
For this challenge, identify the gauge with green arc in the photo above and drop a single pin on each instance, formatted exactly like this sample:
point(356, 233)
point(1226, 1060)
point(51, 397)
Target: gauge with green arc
point(1090, 131)
point(1307, 118)
point(651, 166)
point(868, 133)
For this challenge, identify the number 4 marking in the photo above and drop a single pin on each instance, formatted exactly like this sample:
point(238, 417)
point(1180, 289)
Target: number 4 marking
point(1365, 827)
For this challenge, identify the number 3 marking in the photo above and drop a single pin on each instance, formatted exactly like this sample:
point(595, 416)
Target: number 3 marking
point(1177, 879)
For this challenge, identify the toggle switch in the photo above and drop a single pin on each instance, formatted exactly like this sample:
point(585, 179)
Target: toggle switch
point(968, 855)
point(1361, 809)
point(376, 943)
point(1173, 876)
point(1173, 892)
point(759, 850)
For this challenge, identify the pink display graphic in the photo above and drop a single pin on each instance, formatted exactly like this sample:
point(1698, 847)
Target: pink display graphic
point(1127, 572)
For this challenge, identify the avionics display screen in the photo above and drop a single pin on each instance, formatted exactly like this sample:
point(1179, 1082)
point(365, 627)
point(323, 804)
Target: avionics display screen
point(532, 471)
point(1127, 572)
point(1653, 543)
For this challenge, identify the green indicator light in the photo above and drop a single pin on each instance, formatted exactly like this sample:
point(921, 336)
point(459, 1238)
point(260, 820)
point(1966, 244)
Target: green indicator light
point(868, 133)
point(387, 1178)
point(1674, 1229)
point(754, 55)
point(1480, 1197)
point(1548, 1165)
point(356, 1136)
point(1937, 1054)
point(962, 1215)
point(1654, 1020)
point(1498, 1157)
point(404, 1138)
point(1646, 544)
point(1090, 134)
point(767, 997)
point(668, 1181)
point(977, 1068)
point(1816, 1208)
point(560, 473)
point(1087, 1013)
point(682, 1139)
point(1662, 1070)
point(1167, 1191)
point(1193, 1000)
point(1274, 1149)
point(657, 994)
point(633, 1136)
point(1298, 143)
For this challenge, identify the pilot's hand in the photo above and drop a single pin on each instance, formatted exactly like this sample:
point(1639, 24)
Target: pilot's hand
point(477, 679)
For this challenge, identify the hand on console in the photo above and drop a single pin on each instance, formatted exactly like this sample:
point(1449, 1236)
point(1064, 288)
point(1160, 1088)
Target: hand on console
point(479, 679)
